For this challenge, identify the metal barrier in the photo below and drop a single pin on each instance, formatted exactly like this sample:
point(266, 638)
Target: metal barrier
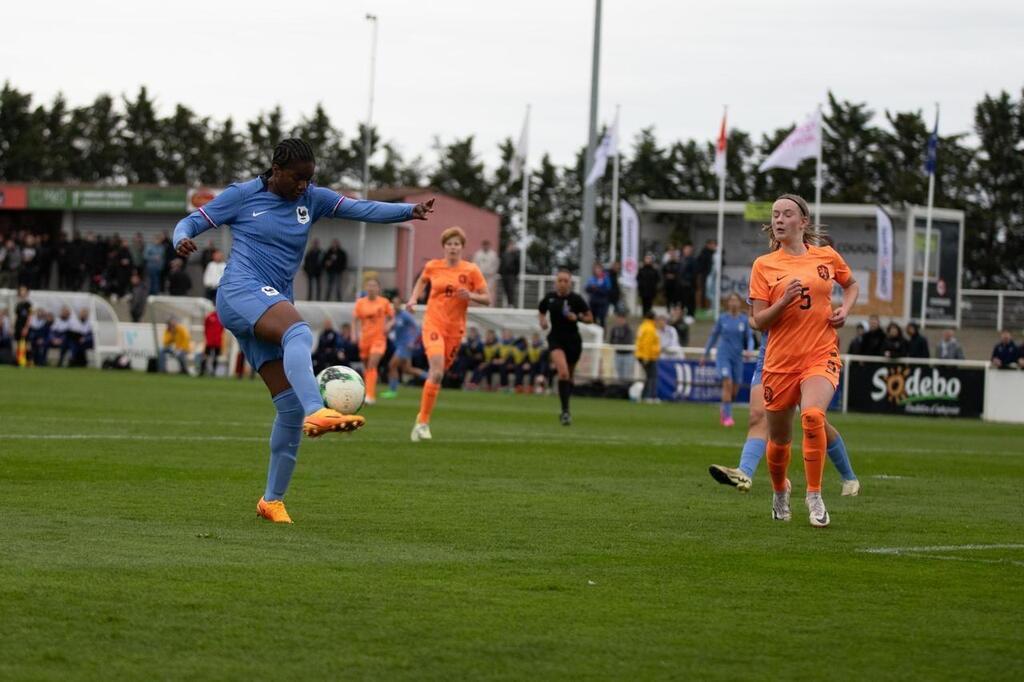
point(992, 309)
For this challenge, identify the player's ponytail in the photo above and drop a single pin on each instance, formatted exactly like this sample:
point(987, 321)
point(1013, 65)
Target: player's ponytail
point(287, 151)
point(814, 235)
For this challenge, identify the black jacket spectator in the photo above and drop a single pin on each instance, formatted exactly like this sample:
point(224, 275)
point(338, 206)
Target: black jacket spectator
point(1006, 354)
point(313, 266)
point(647, 279)
point(178, 282)
point(895, 345)
point(917, 345)
point(874, 338)
point(334, 264)
point(857, 342)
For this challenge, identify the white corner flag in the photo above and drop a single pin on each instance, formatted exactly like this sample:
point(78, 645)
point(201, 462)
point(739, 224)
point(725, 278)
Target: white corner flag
point(608, 148)
point(803, 143)
point(518, 164)
point(720, 151)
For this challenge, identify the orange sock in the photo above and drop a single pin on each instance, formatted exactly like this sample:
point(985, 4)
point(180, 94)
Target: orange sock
point(778, 462)
point(813, 421)
point(371, 384)
point(427, 400)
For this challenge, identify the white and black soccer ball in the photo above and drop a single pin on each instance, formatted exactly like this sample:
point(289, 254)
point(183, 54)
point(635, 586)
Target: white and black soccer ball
point(342, 389)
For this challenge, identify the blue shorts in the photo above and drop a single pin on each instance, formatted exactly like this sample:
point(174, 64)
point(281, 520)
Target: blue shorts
point(756, 379)
point(240, 305)
point(404, 348)
point(730, 367)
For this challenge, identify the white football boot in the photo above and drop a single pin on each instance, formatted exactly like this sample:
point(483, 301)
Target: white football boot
point(780, 504)
point(816, 510)
point(851, 488)
point(420, 432)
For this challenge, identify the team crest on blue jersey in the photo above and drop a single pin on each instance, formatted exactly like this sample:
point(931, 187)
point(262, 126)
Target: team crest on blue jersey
point(302, 213)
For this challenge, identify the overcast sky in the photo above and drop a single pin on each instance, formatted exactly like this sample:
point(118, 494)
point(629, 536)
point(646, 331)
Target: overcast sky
point(455, 67)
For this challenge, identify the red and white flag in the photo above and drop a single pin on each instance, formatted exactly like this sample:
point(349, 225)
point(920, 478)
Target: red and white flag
point(720, 150)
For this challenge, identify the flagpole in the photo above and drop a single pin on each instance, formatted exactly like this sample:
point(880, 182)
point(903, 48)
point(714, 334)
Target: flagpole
point(615, 189)
point(817, 170)
point(525, 208)
point(717, 300)
point(367, 139)
point(928, 234)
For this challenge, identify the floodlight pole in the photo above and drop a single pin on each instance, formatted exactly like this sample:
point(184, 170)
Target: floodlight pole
point(367, 142)
point(589, 191)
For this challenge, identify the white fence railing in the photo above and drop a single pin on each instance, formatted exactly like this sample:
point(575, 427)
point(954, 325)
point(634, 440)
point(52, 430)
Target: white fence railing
point(992, 309)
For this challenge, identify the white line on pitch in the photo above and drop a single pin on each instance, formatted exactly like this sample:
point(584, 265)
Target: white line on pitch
point(937, 548)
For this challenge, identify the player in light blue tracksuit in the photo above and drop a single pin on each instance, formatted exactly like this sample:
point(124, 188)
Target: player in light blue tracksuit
point(404, 335)
point(270, 217)
point(731, 336)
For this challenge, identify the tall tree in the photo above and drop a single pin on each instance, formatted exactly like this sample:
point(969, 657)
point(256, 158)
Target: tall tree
point(186, 157)
point(460, 172)
point(228, 155)
point(849, 148)
point(21, 136)
point(144, 141)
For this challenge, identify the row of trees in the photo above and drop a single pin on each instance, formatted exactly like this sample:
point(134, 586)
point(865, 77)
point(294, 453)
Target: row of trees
point(126, 141)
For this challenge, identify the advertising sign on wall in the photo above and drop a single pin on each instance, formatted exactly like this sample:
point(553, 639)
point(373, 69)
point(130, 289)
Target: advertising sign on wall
point(932, 390)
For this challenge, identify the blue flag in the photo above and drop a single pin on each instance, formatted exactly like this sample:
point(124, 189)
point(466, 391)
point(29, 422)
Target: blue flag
point(933, 148)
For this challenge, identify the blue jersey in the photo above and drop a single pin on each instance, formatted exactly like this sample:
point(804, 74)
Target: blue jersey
point(270, 233)
point(732, 334)
point(404, 330)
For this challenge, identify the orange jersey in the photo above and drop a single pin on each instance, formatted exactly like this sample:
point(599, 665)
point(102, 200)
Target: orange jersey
point(446, 312)
point(802, 334)
point(373, 317)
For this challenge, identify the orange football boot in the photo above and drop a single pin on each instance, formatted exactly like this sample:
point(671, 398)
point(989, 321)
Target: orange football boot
point(325, 419)
point(273, 511)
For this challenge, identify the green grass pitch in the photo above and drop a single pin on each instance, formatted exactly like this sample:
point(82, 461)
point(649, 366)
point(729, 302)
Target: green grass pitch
point(508, 548)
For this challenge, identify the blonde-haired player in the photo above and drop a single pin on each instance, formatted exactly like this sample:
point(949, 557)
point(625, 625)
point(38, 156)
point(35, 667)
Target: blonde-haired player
point(454, 284)
point(374, 316)
point(791, 295)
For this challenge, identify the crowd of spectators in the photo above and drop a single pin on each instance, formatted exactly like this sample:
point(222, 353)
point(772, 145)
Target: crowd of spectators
point(35, 335)
point(896, 341)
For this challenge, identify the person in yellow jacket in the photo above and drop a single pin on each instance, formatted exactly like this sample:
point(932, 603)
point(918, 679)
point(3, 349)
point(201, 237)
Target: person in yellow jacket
point(177, 342)
point(648, 350)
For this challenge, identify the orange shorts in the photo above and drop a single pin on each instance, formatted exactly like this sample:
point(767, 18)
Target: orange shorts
point(782, 389)
point(438, 342)
point(375, 346)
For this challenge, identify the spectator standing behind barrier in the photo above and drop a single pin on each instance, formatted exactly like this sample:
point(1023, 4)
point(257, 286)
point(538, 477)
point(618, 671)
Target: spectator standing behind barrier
point(178, 281)
point(348, 347)
point(615, 294)
point(335, 264)
point(874, 338)
point(39, 324)
point(949, 347)
point(1006, 354)
point(137, 249)
point(705, 268)
point(207, 255)
point(670, 277)
point(213, 273)
point(154, 258)
point(647, 279)
point(326, 352)
point(917, 345)
point(668, 338)
point(622, 335)
point(599, 291)
point(509, 271)
point(648, 350)
point(688, 280)
point(82, 339)
point(895, 345)
point(139, 294)
point(487, 260)
point(677, 318)
point(313, 266)
point(22, 311)
point(213, 337)
point(177, 342)
point(856, 346)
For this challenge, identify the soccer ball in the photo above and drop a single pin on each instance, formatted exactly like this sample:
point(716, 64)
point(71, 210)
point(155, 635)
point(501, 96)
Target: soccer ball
point(342, 389)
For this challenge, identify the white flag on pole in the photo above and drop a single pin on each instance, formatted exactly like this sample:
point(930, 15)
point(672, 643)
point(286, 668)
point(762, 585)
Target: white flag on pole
point(803, 143)
point(608, 148)
point(883, 270)
point(630, 244)
point(720, 150)
point(518, 164)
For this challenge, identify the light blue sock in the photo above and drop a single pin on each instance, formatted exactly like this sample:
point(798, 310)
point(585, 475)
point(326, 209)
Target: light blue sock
point(284, 444)
point(750, 457)
point(837, 453)
point(297, 343)
point(726, 409)
point(393, 384)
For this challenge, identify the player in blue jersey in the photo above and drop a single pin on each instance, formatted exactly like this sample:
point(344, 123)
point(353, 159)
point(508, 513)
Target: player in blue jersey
point(731, 336)
point(404, 335)
point(270, 217)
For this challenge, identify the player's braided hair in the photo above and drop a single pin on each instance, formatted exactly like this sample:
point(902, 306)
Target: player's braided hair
point(814, 235)
point(287, 151)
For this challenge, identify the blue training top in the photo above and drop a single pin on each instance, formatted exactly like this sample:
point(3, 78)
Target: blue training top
point(733, 335)
point(404, 329)
point(270, 233)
